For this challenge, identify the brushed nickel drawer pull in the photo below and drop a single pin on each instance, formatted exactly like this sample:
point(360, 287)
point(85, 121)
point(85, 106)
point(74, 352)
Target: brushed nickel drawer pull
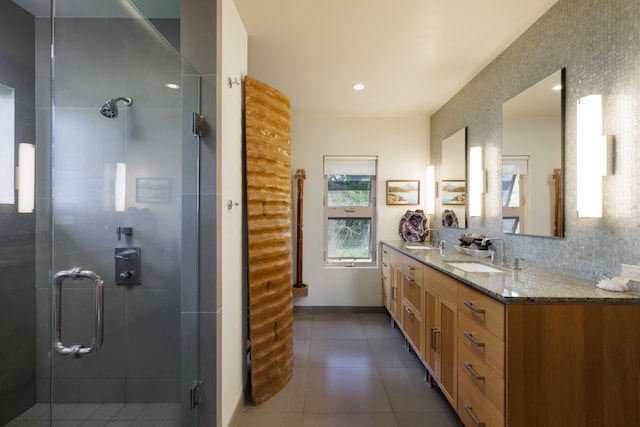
point(472, 371)
point(384, 277)
point(473, 307)
point(473, 340)
point(434, 342)
point(408, 310)
point(410, 267)
point(469, 411)
point(384, 264)
point(432, 339)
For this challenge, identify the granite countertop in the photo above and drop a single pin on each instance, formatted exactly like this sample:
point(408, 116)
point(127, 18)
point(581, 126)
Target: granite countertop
point(509, 285)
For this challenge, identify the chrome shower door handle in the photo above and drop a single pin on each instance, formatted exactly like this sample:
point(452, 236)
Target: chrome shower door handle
point(77, 351)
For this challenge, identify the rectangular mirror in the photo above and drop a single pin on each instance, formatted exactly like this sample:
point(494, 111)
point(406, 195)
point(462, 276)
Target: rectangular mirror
point(532, 159)
point(453, 180)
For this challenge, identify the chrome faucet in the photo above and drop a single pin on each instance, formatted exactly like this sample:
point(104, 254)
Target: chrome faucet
point(504, 248)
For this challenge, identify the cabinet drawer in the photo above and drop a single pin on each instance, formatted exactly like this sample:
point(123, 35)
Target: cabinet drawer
point(483, 310)
point(412, 292)
point(441, 284)
point(386, 257)
point(412, 269)
point(486, 346)
point(480, 377)
point(474, 409)
point(412, 325)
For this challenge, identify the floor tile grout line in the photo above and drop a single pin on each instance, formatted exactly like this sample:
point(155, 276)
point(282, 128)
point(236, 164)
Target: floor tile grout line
point(384, 385)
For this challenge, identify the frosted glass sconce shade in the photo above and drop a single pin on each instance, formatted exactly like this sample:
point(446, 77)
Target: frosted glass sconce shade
point(26, 177)
point(121, 186)
point(591, 156)
point(430, 206)
point(476, 181)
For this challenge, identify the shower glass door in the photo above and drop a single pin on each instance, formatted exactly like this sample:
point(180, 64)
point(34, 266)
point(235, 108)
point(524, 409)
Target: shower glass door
point(112, 341)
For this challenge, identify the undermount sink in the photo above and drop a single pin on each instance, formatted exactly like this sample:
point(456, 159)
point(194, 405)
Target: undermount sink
point(474, 267)
point(423, 247)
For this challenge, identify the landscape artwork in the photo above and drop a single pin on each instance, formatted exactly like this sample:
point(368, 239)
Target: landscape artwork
point(405, 192)
point(453, 192)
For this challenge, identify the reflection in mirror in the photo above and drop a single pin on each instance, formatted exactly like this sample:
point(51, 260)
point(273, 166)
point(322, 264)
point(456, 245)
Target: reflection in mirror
point(532, 151)
point(7, 145)
point(453, 180)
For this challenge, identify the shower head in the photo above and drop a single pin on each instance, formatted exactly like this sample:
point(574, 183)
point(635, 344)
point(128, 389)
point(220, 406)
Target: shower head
point(110, 108)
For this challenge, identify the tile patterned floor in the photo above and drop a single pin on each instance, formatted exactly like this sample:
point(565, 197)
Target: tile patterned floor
point(352, 371)
point(101, 415)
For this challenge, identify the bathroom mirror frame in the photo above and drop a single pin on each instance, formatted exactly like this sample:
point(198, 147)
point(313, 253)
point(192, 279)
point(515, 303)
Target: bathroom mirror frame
point(452, 186)
point(530, 119)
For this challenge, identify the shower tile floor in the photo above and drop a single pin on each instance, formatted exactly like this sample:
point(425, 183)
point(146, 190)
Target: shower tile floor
point(101, 415)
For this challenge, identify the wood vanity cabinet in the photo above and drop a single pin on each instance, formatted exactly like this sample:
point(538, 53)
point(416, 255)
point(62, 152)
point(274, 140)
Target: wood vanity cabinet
point(391, 279)
point(522, 363)
point(440, 320)
point(386, 276)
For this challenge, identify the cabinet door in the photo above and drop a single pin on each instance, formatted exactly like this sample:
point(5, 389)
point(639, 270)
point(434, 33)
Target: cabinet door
point(430, 328)
point(447, 345)
point(386, 278)
point(394, 295)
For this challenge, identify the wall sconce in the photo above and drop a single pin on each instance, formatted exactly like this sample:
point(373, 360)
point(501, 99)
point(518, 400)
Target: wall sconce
point(121, 186)
point(594, 156)
point(476, 181)
point(26, 177)
point(430, 207)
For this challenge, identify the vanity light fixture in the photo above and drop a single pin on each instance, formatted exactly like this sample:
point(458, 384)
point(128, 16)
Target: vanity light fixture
point(172, 85)
point(121, 186)
point(26, 174)
point(430, 207)
point(476, 181)
point(357, 86)
point(594, 156)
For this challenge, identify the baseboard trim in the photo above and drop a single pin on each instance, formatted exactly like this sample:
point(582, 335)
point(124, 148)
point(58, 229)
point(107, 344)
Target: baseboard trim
point(235, 415)
point(336, 309)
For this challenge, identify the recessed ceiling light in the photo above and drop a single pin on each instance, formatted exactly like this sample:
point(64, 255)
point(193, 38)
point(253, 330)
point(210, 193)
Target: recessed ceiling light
point(172, 86)
point(358, 86)
point(556, 87)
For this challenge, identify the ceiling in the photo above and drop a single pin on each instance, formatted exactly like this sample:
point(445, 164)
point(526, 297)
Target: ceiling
point(411, 55)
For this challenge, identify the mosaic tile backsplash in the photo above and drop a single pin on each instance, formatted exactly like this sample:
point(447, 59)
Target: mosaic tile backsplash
point(598, 43)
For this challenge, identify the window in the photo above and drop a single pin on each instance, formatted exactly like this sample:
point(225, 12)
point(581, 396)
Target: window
point(350, 211)
point(514, 180)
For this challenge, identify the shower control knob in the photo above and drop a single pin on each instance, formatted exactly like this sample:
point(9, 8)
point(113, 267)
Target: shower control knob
point(126, 275)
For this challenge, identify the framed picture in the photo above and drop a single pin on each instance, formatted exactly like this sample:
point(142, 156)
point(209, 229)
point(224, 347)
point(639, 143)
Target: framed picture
point(153, 190)
point(405, 192)
point(453, 192)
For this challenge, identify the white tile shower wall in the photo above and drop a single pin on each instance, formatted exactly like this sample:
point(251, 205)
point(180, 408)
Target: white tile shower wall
point(598, 42)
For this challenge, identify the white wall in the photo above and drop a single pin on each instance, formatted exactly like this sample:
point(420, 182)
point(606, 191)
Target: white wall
point(402, 147)
point(232, 62)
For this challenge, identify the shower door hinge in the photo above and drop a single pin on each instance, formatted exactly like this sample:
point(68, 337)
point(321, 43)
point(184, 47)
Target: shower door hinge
point(197, 124)
point(196, 394)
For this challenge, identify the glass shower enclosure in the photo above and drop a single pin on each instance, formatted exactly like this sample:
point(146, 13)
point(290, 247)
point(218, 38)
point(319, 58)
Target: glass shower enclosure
point(106, 272)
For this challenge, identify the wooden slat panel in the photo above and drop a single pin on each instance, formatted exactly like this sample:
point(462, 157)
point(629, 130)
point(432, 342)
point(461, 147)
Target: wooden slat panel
point(268, 169)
